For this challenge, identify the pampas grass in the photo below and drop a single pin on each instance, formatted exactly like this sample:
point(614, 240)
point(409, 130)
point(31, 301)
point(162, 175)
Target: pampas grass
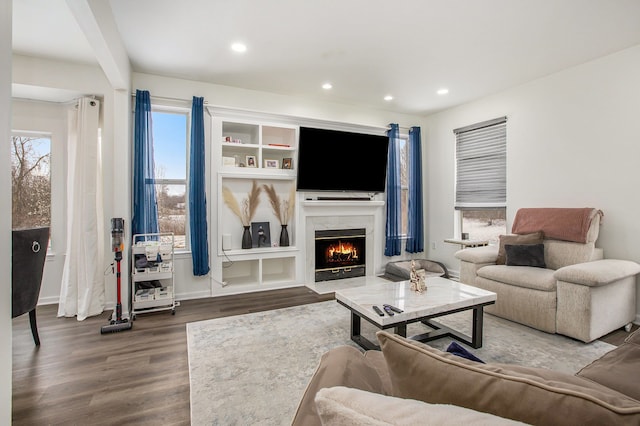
point(247, 209)
point(282, 209)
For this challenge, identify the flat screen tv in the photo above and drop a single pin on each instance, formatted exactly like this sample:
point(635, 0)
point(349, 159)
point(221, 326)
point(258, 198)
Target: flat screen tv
point(339, 161)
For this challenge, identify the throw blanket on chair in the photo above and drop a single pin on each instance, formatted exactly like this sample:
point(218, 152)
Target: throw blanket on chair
point(567, 224)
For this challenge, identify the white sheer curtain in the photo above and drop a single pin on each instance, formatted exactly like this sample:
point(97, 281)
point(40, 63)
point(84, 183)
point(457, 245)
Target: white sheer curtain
point(82, 293)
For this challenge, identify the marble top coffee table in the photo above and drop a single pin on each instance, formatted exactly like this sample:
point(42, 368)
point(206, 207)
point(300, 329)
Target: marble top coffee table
point(442, 297)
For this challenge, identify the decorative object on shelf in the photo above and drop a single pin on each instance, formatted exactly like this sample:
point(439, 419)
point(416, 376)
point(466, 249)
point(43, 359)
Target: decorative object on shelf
point(245, 210)
point(282, 209)
point(287, 163)
point(417, 278)
point(246, 238)
point(271, 164)
point(251, 161)
point(284, 236)
point(261, 234)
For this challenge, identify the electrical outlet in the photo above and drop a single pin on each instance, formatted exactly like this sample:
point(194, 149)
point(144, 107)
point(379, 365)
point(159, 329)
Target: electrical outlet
point(433, 245)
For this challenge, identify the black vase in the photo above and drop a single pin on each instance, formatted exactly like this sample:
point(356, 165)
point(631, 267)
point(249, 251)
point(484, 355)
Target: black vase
point(284, 236)
point(246, 238)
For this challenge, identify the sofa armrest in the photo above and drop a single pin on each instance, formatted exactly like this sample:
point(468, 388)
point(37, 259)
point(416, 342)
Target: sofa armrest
point(598, 272)
point(343, 366)
point(484, 255)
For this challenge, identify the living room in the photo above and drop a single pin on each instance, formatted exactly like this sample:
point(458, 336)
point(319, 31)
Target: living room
point(570, 143)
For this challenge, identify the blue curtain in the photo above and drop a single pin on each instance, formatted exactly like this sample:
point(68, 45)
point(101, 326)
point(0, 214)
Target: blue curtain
point(392, 232)
point(145, 209)
point(197, 196)
point(415, 224)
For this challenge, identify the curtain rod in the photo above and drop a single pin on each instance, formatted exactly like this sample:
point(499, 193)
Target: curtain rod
point(167, 98)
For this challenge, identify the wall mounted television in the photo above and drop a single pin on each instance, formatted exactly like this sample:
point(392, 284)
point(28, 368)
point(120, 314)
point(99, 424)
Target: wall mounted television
point(339, 161)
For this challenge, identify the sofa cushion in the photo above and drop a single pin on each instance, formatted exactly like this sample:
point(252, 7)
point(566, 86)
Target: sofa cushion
point(564, 253)
point(343, 366)
point(339, 406)
point(524, 276)
point(478, 255)
point(525, 255)
point(618, 369)
point(527, 394)
point(532, 238)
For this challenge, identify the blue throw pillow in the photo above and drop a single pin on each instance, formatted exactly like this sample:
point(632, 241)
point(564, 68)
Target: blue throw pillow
point(456, 349)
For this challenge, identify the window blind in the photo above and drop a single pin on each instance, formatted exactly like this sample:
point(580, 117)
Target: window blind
point(481, 165)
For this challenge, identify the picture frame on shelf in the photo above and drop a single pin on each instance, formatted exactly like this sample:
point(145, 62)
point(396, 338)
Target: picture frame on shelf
point(287, 163)
point(271, 164)
point(251, 161)
point(260, 234)
point(228, 161)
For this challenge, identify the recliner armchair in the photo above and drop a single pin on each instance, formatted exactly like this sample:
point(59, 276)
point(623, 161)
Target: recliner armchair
point(577, 293)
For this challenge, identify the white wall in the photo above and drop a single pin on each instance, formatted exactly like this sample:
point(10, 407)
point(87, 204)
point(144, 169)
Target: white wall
point(572, 141)
point(188, 286)
point(117, 143)
point(5, 212)
point(87, 80)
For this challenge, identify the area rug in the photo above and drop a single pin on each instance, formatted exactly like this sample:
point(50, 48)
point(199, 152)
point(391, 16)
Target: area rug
point(254, 368)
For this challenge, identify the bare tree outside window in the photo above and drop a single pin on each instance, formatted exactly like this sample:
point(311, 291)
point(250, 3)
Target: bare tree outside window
point(30, 181)
point(170, 135)
point(404, 186)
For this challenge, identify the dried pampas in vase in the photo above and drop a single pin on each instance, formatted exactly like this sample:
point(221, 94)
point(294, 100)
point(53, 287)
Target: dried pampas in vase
point(244, 210)
point(282, 209)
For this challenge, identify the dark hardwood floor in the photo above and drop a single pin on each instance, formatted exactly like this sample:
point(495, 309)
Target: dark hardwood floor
point(79, 376)
point(136, 377)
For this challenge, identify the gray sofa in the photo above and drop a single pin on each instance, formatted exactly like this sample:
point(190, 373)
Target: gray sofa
point(574, 291)
point(410, 383)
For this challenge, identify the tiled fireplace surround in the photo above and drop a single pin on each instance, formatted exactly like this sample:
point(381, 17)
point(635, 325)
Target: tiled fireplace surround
point(329, 215)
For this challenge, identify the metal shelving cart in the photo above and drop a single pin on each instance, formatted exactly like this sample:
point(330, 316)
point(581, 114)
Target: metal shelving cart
point(152, 277)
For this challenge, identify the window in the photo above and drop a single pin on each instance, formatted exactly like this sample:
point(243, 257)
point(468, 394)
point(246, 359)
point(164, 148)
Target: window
point(481, 179)
point(30, 180)
point(404, 185)
point(170, 136)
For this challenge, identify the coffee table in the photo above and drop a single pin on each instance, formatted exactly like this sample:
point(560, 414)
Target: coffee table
point(442, 297)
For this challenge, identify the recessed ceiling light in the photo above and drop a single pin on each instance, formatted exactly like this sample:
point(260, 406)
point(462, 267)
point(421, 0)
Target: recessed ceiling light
point(327, 86)
point(442, 91)
point(388, 98)
point(239, 47)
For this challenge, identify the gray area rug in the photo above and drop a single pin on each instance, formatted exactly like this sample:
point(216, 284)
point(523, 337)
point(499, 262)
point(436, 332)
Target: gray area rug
point(253, 369)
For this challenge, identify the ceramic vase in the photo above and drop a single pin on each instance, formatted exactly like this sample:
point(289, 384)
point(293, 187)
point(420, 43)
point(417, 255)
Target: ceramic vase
point(246, 238)
point(284, 236)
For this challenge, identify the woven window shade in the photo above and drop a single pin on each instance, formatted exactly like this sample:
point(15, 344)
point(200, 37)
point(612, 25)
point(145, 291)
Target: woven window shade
point(481, 165)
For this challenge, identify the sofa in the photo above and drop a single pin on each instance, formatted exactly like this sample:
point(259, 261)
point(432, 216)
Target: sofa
point(548, 274)
point(409, 383)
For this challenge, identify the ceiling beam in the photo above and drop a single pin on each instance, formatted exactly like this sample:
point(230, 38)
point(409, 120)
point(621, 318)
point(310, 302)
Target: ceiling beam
point(96, 22)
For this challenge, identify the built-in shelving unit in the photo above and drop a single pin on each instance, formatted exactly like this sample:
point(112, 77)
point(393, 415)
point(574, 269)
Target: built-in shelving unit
point(248, 150)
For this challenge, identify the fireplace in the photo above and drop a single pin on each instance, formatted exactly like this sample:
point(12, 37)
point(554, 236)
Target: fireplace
point(340, 253)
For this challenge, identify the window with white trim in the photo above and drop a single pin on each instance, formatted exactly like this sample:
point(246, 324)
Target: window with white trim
point(170, 144)
point(481, 179)
point(30, 180)
point(404, 185)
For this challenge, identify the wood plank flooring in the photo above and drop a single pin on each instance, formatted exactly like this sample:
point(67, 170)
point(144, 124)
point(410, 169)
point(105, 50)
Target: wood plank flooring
point(136, 377)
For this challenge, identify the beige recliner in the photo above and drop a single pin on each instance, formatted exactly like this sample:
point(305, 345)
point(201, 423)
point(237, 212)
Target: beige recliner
point(577, 293)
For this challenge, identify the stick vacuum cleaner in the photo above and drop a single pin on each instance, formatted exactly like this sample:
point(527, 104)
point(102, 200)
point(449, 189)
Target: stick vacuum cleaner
point(117, 243)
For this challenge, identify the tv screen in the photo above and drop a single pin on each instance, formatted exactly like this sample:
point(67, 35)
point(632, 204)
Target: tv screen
point(333, 160)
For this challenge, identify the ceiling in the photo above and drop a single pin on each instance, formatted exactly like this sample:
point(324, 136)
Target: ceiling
point(366, 48)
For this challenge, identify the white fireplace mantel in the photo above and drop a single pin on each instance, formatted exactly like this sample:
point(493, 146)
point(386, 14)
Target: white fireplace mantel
point(343, 214)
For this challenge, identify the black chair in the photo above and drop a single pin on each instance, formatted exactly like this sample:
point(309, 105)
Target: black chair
point(28, 254)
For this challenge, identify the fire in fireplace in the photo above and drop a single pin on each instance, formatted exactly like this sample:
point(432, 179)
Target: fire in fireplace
point(340, 253)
